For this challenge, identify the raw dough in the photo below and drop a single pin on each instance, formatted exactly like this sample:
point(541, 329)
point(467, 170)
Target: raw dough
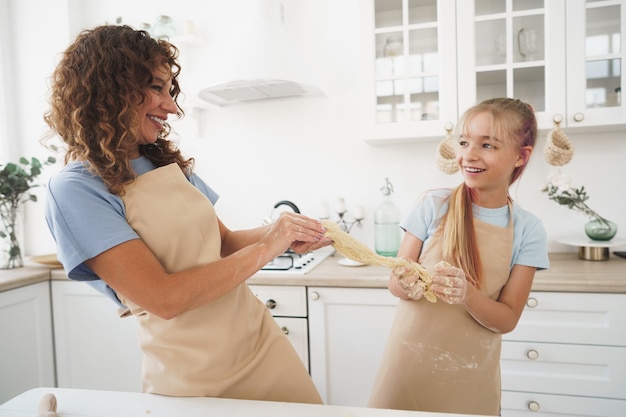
point(351, 248)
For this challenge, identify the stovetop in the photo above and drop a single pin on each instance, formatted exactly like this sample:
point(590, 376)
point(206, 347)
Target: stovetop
point(293, 263)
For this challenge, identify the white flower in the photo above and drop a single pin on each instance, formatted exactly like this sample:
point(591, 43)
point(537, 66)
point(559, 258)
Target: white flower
point(560, 181)
point(559, 189)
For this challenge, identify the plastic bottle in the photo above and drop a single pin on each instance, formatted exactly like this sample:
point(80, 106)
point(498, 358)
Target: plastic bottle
point(387, 224)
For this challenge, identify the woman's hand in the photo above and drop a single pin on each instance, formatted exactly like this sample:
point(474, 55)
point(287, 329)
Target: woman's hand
point(449, 283)
point(408, 281)
point(296, 231)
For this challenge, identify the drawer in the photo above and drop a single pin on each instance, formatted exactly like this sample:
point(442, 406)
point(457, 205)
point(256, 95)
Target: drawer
point(284, 301)
point(594, 371)
point(297, 332)
point(528, 404)
point(583, 318)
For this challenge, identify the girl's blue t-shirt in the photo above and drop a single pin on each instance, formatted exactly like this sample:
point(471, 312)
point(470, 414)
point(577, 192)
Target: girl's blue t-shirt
point(529, 240)
point(85, 219)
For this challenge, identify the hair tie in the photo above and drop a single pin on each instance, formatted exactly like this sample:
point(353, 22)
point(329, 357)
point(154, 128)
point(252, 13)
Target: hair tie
point(558, 150)
point(446, 153)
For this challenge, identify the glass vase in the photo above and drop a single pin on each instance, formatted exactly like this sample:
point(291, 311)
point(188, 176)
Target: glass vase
point(600, 229)
point(11, 237)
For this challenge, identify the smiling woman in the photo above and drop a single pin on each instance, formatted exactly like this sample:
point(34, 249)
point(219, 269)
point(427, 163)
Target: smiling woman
point(129, 214)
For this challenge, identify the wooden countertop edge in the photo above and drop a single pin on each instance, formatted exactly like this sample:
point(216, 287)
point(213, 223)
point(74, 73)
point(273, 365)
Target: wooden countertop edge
point(20, 277)
point(567, 273)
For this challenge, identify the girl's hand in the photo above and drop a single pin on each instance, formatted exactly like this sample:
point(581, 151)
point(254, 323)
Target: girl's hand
point(449, 283)
point(408, 282)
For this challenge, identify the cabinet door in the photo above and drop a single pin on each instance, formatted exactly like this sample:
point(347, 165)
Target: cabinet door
point(95, 349)
point(348, 332)
point(564, 58)
point(595, 62)
point(26, 352)
point(409, 69)
point(297, 332)
point(513, 49)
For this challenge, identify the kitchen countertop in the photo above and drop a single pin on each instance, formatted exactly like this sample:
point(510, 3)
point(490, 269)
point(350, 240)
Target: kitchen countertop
point(89, 403)
point(567, 273)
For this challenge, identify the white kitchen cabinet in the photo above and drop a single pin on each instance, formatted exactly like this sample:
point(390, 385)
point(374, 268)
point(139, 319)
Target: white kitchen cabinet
point(408, 76)
point(596, 63)
point(289, 309)
point(26, 351)
point(95, 349)
point(567, 356)
point(348, 331)
point(564, 58)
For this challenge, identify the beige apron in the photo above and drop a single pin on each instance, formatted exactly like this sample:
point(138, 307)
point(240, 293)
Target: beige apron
point(438, 358)
point(231, 347)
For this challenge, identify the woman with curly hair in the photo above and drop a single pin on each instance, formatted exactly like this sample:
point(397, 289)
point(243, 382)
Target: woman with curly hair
point(131, 218)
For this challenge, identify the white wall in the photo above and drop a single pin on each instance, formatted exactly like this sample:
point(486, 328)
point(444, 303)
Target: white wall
point(306, 150)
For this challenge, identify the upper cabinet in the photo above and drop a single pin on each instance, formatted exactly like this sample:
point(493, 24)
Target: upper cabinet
point(511, 49)
point(425, 62)
point(409, 68)
point(595, 62)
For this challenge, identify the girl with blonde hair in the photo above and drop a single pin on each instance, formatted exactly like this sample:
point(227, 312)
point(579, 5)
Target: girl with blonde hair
point(482, 250)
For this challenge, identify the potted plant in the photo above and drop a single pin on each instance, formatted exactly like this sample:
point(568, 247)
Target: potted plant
point(559, 189)
point(16, 180)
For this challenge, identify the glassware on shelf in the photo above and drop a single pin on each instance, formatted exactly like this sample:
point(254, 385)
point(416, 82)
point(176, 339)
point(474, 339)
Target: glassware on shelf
point(164, 27)
point(500, 45)
point(527, 43)
point(393, 47)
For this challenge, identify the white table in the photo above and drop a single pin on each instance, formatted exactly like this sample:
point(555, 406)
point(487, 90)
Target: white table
point(88, 403)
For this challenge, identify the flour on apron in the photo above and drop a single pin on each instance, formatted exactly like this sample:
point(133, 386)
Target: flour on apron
point(231, 347)
point(438, 358)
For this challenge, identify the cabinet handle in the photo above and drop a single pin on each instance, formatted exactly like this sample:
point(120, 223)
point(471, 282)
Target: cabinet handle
point(315, 296)
point(271, 304)
point(579, 117)
point(533, 406)
point(532, 302)
point(532, 354)
point(285, 330)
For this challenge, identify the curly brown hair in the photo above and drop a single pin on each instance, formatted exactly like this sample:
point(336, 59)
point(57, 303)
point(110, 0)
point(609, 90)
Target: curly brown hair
point(96, 89)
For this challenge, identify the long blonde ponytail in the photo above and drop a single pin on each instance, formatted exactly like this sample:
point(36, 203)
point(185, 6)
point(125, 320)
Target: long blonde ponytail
point(459, 237)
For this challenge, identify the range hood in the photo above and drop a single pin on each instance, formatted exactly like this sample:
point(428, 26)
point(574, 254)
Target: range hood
point(259, 58)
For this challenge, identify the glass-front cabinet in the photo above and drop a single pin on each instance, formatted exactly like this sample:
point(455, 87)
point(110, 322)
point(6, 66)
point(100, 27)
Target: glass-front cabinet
point(409, 68)
point(505, 48)
point(426, 61)
point(595, 55)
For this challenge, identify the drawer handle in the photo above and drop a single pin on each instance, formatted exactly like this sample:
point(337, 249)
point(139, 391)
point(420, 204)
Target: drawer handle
point(315, 296)
point(285, 330)
point(271, 304)
point(532, 302)
point(533, 406)
point(532, 354)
